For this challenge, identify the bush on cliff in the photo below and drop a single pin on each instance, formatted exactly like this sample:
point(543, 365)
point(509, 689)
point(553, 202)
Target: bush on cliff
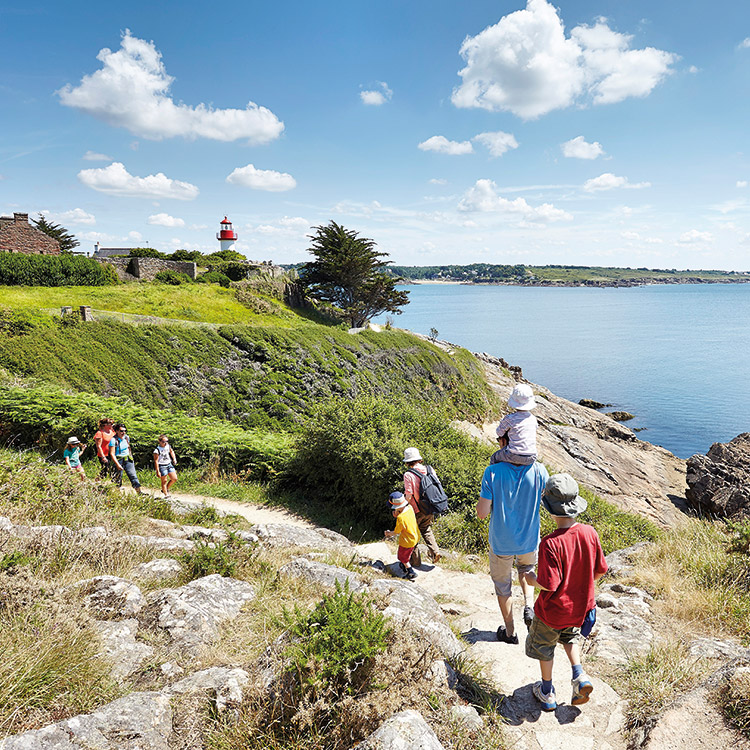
point(350, 456)
point(17, 269)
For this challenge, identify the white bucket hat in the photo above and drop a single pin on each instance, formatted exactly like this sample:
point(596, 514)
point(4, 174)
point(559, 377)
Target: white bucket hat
point(522, 397)
point(73, 441)
point(397, 500)
point(411, 454)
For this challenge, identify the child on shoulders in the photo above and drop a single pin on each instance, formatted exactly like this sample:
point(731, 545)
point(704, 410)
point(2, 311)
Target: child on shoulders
point(571, 560)
point(406, 530)
point(516, 432)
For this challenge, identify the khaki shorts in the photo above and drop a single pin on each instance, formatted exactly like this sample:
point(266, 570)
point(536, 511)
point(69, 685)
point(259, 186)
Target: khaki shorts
point(542, 639)
point(501, 569)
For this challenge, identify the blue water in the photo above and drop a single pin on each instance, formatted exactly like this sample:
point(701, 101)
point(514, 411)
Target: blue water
point(678, 357)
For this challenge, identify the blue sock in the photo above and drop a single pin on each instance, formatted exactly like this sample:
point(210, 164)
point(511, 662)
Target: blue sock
point(546, 686)
point(577, 671)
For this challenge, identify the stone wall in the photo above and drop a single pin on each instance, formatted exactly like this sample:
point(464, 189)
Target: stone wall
point(145, 269)
point(18, 236)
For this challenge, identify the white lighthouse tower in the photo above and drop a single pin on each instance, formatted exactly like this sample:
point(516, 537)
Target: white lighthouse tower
point(227, 236)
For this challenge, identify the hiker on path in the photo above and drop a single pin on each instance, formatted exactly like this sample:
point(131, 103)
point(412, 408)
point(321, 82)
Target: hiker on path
point(518, 428)
point(510, 496)
point(122, 458)
point(570, 561)
point(406, 530)
point(415, 470)
point(72, 456)
point(164, 464)
point(102, 436)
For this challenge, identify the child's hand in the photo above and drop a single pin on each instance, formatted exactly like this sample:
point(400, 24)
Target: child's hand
point(388, 533)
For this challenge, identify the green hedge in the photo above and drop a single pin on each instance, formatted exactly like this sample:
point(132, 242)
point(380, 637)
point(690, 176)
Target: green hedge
point(351, 456)
point(45, 417)
point(17, 269)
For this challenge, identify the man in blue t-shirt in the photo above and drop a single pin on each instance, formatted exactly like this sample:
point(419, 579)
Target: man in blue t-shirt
point(511, 496)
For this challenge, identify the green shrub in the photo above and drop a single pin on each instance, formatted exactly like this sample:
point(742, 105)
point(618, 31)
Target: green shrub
point(174, 278)
point(236, 270)
point(147, 252)
point(335, 644)
point(11, 560)
point(45, 416)
point(204, 560)
point(350, 455)
point(17, 269)
point(214, 277)
point(192, 256)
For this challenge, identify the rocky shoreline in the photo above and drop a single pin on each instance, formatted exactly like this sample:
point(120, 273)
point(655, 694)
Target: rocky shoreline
point(596, 283)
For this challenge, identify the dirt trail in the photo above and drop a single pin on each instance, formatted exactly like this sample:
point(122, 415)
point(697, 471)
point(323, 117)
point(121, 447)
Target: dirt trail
point(596, 725)
point(252, 512)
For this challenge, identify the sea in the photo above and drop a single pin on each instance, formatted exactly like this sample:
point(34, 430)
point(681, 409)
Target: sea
point(675, 356)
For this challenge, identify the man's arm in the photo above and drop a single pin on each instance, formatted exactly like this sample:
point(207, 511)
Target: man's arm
point(484, 508)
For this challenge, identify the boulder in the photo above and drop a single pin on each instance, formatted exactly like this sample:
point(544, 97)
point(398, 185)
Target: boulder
point(406, 730)
point(715, 648)
point(620, 634)
point(120, 647)
point(224, 685)
point(321, 574)
point(411, 604)
point(591, 404)
point(621, 416)
point(139, 721)
point(719, 482)
point(110, 597)
point(192, 614)
point(285, 535)
point(620, 562)
point(162, 569)
point(202, 532)
point(468, 716)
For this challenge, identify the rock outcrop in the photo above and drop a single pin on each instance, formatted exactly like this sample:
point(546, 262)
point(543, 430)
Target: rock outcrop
point(403, 731)
point(600, 453)
point(719, 482)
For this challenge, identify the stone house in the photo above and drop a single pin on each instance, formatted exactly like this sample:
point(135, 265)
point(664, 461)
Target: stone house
point(18, 236)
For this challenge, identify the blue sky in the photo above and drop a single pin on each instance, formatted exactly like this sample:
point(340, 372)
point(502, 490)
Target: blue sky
point(590, 133)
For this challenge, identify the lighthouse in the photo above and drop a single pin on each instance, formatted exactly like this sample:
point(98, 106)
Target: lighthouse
point(227, 236)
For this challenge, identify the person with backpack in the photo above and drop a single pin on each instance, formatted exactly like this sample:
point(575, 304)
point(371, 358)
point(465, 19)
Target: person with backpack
point(102, 436)
point(122, 458)
point(426, 496)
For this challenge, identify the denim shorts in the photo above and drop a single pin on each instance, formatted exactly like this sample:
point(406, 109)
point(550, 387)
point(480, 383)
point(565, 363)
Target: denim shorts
point(165, 469)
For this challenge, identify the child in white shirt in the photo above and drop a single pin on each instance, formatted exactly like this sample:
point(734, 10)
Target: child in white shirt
point(516, 432)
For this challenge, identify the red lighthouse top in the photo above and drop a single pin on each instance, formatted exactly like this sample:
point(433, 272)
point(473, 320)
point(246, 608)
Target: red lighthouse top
point(226, 233)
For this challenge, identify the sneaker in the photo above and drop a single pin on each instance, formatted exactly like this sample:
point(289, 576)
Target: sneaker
point(503, 637)
point(403, 569)
point(582, 689)
point(528, 616)
point(411, 574)
point(548, 700)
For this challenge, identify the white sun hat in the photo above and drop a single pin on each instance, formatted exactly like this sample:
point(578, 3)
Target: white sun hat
point(522, 397)
point(411, 454)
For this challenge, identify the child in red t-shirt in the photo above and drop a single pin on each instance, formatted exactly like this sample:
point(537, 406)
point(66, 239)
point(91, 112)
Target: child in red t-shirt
point(570, 561)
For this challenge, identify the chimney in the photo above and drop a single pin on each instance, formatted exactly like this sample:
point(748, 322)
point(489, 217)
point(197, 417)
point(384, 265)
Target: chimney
point(20, 218)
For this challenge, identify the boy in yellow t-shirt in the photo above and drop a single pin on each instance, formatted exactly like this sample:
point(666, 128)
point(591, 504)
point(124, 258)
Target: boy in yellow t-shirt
point(406, 530)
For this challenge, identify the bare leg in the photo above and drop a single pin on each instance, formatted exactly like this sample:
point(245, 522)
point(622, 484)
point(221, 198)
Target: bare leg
point(172, 480)
point(546, 667)
point(573, 652)
point(506, 609)
point(528, 591)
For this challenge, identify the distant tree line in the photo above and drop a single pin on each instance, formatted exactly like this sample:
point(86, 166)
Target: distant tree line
point(475, 272)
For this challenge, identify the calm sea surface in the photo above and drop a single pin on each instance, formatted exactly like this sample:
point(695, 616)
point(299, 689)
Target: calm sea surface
point(678, 357)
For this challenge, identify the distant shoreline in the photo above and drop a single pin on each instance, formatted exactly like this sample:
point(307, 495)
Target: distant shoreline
point(594, 284)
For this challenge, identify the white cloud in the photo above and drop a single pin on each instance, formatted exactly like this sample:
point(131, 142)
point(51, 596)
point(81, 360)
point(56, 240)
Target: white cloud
point(262, 179)
point(579, 148)
point(131, 90)
point(165, 220)
point(483, 198)
point(630, 235)
point(741, 183)
point(609, 181)
point(438, 181)
point(94, 156)
point(116, 180)
point(693, 69)
point(296, 223)
point(694, 236)
point(75, 216)
point(442, 145)
point(198, 227)
point(728, 206)
point(378, 96)
point(497, 143)
point(745, 43)
point(135, 236)
point(525, 64)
